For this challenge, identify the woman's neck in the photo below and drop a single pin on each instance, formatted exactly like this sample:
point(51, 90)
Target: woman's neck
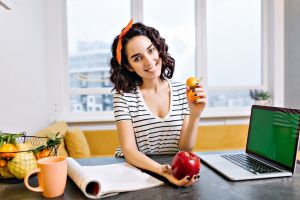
point(153, 85)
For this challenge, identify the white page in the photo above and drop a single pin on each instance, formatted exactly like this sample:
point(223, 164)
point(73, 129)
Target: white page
point(121, 177)
point(111, 179)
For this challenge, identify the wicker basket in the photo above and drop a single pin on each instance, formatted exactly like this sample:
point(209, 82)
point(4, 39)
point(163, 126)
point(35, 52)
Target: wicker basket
point(35, 142)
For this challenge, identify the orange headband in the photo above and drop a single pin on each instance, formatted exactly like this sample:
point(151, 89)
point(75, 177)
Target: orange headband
point(119, 45)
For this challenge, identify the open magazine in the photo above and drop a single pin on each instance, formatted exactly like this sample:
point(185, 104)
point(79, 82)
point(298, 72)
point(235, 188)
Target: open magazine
point(106, 180)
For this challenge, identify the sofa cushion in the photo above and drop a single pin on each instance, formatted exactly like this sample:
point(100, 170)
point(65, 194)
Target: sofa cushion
point(102, 142)
point(77, 144)
point(56, 127)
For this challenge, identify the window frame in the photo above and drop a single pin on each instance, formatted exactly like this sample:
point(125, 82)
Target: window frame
point(272, 76)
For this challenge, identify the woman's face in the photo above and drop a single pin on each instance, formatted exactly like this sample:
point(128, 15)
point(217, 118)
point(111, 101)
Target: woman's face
point(143, 57)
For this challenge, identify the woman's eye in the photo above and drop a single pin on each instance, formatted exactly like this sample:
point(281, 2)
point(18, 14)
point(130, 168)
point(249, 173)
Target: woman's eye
point(151, 50)
point(137, 58)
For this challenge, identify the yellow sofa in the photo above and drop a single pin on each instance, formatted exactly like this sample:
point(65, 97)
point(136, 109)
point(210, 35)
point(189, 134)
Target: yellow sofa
point(104, 142)
point(75, 143)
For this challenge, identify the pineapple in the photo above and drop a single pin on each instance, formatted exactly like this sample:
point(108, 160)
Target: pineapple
point(5, 173)
point(22, 164)
point(24, 147)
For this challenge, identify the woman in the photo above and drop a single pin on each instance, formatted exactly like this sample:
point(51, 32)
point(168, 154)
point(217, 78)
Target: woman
point(152, 113)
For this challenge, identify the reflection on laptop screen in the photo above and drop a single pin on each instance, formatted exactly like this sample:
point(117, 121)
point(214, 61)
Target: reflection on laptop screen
point(273, 134)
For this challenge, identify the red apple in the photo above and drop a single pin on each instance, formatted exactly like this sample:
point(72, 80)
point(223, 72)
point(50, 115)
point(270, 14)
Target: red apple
point(185, 164)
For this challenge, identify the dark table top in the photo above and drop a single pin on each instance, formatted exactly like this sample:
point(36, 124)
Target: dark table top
point(210, 186)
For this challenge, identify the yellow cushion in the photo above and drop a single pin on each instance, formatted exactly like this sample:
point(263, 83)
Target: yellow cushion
point(107, 138)
point(60, 127)
point(77, 144)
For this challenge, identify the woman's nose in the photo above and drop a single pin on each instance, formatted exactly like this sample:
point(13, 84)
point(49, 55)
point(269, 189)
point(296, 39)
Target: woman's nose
point(147, 60)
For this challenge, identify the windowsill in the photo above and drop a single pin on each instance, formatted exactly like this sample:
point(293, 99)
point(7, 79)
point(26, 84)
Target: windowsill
point(226, 112)
point(87, 117)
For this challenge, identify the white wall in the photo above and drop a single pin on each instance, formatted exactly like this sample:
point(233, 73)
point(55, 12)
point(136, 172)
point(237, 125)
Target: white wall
point(23, 71)
point(31, 83)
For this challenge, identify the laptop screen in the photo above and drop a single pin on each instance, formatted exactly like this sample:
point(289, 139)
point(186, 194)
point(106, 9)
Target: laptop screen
point(273, 134)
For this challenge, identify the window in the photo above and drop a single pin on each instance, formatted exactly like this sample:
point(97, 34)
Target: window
point(234, 51)
point(233, 43)
point(219, 40)
point(90, 33)
point(178, 30)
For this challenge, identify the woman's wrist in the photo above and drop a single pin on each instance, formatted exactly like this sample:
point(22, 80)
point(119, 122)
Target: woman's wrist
point(194, 117)
point(159, 170)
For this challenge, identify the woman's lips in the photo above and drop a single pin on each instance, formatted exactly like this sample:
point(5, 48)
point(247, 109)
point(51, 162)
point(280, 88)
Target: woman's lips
point(151, 69)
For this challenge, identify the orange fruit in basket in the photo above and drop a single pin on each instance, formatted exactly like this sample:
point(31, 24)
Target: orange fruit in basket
point(7, 151)
point(192, 82)
point(8, 148)
point(50, 147)
point(42, 154)
point(3, 163)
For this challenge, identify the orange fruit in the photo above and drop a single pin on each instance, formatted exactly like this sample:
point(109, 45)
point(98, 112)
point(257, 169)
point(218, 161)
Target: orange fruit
point(45, 153)
point(8, 151)
point(3, 163)
point(42, 154)
point(192, 97)
point(192, 82)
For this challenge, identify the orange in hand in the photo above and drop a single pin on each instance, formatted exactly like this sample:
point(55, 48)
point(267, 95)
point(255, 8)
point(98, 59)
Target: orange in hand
point(192, 97)
point(192, 82)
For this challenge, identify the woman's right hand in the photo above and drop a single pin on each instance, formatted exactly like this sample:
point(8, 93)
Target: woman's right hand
point(166, 172)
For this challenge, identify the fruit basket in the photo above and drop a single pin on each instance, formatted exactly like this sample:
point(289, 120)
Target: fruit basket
point(19, 154)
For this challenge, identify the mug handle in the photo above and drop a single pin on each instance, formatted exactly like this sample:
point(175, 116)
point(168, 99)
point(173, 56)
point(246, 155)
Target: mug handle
point(35, 189)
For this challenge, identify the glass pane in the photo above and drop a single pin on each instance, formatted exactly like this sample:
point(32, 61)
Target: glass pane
point(91, 103)
point(92, 26)
point(238, 98)
point(97, 78)
point(234, 43)
point(177, 28)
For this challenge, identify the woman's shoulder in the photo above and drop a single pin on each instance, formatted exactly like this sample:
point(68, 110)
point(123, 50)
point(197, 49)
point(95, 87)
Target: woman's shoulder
point(124, 95)
point(177, 83)
point(177, 86)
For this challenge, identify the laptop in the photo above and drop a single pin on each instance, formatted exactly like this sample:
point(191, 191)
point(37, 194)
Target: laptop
point(271, 151)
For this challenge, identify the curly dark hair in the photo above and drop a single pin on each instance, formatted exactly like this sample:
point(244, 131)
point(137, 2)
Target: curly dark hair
point(127, 81)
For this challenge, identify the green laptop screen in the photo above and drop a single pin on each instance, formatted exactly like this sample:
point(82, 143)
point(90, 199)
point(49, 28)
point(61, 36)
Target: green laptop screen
point(273, 135)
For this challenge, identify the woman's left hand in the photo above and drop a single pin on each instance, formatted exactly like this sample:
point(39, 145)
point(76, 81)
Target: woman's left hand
point(196, 107)
point(184, 182)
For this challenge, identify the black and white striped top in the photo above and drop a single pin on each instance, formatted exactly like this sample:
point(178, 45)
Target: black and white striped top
point(154, 135)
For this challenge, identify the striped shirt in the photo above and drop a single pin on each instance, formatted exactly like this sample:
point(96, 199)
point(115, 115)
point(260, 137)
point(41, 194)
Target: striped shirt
point(154, 135)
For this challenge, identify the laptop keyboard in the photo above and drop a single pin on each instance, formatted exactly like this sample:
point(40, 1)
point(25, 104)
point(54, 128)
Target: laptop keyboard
point(250, 164)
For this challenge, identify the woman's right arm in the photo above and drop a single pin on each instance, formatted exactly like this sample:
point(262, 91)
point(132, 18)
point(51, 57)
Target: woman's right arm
point(134, 157)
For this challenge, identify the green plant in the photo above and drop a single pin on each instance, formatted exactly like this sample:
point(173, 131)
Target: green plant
point(259, 95)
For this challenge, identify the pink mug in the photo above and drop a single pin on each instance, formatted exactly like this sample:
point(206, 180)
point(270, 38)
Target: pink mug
point(52, 176)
